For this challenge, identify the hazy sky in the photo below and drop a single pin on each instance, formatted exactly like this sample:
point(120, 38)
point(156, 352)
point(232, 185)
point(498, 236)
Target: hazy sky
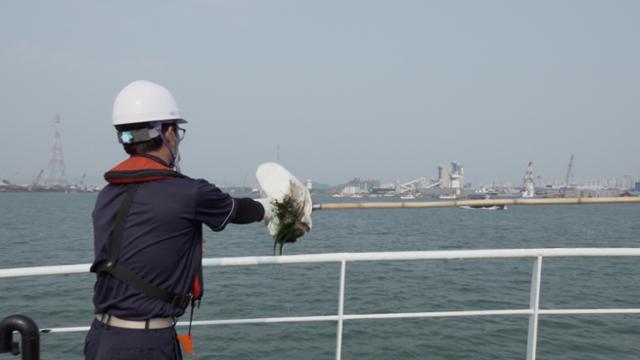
point(378, 89)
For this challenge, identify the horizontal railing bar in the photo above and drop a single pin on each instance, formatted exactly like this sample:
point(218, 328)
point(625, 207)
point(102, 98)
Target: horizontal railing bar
point(588, 311)
point(217, 322)
point(433, 314)
point(365, 256)
point(65, 330)
point(262, 320)
point(420, 255)
point(437, 314)
point(45, 270)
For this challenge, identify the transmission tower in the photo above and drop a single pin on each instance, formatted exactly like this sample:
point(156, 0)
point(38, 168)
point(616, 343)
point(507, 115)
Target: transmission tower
point(56, 171)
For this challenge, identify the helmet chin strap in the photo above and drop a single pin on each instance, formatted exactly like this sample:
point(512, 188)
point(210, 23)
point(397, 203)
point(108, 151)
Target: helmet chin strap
point(175, 157)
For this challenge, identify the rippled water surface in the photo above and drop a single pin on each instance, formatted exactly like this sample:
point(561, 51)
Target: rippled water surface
point(55, 228)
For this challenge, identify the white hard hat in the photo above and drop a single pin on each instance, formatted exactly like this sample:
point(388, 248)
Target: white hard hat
point(144, 101)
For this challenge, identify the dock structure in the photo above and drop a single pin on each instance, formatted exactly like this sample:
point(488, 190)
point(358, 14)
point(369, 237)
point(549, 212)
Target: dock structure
point(481, 202)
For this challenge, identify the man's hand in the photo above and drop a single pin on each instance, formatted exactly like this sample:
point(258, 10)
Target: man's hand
point(269, 213)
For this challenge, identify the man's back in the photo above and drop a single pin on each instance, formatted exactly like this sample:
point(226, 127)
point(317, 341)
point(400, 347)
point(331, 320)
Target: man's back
point(160, 243)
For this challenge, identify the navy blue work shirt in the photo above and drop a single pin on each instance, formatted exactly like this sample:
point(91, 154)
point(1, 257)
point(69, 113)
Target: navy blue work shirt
point(160, 242)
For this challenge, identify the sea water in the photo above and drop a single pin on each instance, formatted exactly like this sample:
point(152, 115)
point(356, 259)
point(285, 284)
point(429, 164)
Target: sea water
point(55, 229)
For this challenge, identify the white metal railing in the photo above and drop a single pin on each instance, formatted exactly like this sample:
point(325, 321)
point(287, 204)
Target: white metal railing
point(533, 311)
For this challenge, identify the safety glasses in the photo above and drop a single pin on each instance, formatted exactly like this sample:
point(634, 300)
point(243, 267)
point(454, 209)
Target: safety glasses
point(180, 132)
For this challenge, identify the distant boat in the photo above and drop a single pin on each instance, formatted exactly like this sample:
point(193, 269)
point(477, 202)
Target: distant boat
point(356, 196)
point(485, 207)
point(336, 195)
point(407, 197)
point(448, 197)
point(482, 196)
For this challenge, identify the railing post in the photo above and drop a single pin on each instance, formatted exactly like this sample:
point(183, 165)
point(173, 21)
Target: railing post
point(28, 331)
point(343, 268)
point(534, 305)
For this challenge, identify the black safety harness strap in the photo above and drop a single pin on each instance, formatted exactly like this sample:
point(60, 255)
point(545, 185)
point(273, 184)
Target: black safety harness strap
point(121, 224)
point(112, 266)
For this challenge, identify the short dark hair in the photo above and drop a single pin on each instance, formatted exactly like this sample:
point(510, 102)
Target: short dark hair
point(145, 146)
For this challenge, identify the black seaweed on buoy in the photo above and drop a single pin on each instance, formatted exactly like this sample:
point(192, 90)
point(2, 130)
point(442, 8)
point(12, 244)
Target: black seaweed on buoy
point(289, 213)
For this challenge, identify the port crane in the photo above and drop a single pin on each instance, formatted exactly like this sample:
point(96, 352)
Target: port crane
point(37, 180)
point(563, 191)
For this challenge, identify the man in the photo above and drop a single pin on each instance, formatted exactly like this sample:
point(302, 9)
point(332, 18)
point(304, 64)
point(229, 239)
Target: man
point(148, 231)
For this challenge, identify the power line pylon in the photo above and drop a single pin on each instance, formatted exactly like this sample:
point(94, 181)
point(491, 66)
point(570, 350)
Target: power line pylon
point(56, 171)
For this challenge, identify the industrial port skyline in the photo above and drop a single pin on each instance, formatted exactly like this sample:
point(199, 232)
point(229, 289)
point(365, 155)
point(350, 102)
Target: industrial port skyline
point(449, 180)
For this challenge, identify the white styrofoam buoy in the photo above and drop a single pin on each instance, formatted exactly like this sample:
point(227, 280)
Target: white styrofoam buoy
point(275, 182)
